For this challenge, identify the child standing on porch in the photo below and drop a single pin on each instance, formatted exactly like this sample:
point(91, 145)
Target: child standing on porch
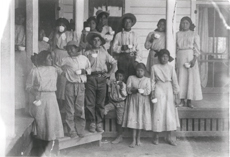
point(76, 68)
point(137, 114)
point(155, 41)
point(164, 87)
point(117, 95)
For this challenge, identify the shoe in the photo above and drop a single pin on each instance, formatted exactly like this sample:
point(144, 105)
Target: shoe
point(99, 127)
point(117, 140)
point(190, 104)
point(72, 134)
point(92, 127)
point(81, 135)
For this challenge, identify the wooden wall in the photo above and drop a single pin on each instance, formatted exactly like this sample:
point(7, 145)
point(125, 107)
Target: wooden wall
point(67, 9)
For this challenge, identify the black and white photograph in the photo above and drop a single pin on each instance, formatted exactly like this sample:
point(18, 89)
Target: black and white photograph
point(114, 78)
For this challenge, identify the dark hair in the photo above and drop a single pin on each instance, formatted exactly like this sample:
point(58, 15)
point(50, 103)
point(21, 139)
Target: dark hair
point(141, 65)
point(161, 20)
point(192, 26)
point(92, 18)
point(120, 72)
point(62, 21)
point(39, 59)
point(101, 14)
point(162, 52)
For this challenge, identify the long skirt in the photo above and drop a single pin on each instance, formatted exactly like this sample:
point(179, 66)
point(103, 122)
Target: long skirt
point(188, 79)
point(137, 113)
point(48, 124)
point(151, 60)
point(164, 116)
point(61, 82)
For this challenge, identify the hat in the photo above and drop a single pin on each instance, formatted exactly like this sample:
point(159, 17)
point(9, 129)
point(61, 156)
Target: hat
point(92, 35)
point(164, 51)
point(99, 12)
point(130, 16)
point(72, 43)
point(62, 20)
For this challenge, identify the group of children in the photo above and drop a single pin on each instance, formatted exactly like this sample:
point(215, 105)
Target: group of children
point(84, 68)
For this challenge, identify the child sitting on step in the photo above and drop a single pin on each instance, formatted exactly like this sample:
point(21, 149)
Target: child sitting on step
point(117, 95)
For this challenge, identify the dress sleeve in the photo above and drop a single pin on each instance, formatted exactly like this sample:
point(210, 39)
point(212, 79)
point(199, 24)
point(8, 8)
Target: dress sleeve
point(148, 44)
point(116, 44)
point(129, 85)
point(153, 79)
point(196, 45)
point(147, 89)
point(175, 82)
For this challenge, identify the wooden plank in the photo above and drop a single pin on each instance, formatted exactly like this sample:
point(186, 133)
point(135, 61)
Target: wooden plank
point(219, 124)
point(152, 10)
point(184, 125)
point(67, 142)
point(203, 113)
point(201, 133)
point(196, 124)
point(190, 125)
point(216, 90)
point(226, 124)
point(202, 125)
point(183, 4)
point(208, 124)
point(182, 11)
point(149, 18)
point(107, 125)
point(214, 124)
point(146, 24)
point(148, 3)
point(114, 125)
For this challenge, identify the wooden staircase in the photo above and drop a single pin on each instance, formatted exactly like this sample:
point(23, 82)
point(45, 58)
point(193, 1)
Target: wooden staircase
point(67, 142)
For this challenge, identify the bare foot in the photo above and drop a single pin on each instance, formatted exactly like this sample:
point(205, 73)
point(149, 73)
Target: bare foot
point(139, 143)
point(132, 145)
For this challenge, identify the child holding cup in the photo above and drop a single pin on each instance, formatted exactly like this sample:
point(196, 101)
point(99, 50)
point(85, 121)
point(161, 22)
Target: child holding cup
point(137, 114)
point(155, 41)
point(164, 89)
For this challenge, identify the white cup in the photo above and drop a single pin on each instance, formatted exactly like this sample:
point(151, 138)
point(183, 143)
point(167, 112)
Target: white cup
point(94, 55)
point(154, 100)
point(112, 32)
point(87, 29)
point(37, 102)
point(130, 46)
point(21, 48)
point(45, 39)
point(187, 65)
point(141, 90)
point(78, 72)
point(157, 36)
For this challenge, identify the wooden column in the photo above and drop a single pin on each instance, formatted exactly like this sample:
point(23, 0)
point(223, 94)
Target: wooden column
point(31, 27)
point(79, 16)
point(7, 104)
point(171, 28)
point(192, 10)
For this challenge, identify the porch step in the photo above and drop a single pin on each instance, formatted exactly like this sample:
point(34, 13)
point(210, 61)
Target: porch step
point(67, 142)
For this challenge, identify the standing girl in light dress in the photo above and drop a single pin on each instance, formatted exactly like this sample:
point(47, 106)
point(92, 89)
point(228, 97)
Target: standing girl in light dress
point(137, 115)
point(155, 41)
point(41, 83)
point(164, 87)
point(188, 50)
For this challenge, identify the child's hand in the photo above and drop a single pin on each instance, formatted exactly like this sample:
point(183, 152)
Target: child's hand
point(120, 84)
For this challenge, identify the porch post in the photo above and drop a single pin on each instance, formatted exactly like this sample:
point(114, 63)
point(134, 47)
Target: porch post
point(7, 104)
point(171, 28)
point(31, 27)
point(79, 16)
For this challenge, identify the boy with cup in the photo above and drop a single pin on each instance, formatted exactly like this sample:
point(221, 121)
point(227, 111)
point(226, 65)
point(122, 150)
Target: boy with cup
point(76, 67)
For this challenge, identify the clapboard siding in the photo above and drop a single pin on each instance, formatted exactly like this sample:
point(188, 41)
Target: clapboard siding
point(67, 9)
point(148, 3)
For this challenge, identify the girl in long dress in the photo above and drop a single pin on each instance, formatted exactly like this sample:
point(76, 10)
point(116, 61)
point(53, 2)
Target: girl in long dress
point(41, 83)
point(155, 41)
point(164, 87)
point(137, 115)
point(188, 50)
